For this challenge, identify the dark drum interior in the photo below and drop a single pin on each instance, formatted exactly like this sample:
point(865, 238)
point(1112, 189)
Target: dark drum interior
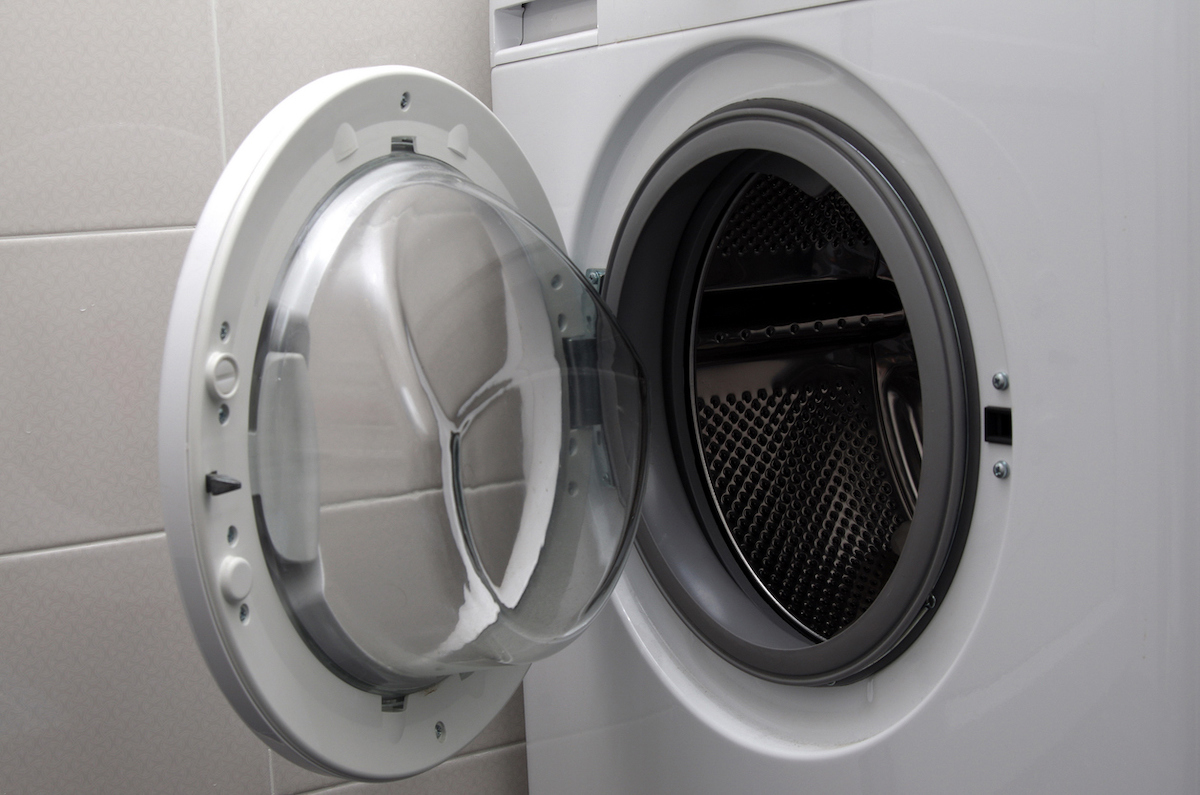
point(807, 399)
point(813, 431)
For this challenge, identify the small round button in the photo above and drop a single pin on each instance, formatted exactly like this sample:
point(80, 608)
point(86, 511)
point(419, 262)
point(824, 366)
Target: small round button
point(222, 372)
point(235, 578)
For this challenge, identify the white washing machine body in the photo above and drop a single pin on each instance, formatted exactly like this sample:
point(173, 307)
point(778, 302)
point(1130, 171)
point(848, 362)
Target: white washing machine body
point(1053, 148)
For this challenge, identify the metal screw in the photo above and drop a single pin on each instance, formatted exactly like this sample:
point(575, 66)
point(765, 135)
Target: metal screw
point(596, 277)
point(231, 536)
point(439, 731)
point(244, 613)
point(223, 414)
point(224, 331)
point(1000, 469)
point(1000, 380)
point(404, 100)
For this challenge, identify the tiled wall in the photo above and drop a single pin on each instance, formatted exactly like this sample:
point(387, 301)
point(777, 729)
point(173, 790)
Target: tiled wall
point(115, 120)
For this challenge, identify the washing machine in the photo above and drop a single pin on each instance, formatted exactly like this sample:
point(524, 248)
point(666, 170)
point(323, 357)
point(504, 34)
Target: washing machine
point(1027, 173)
point(798, 398)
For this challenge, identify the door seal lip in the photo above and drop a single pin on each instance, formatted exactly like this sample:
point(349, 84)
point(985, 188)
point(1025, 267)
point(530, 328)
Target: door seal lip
point(774, 664)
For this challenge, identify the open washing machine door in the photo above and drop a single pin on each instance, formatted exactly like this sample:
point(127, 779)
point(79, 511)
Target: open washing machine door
point(401, 437)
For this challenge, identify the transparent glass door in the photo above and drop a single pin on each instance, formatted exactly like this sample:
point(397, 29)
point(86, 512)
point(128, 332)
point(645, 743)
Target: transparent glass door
point(446, 429)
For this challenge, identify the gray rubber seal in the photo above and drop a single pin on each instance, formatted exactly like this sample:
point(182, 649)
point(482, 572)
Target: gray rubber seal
point(651, 284)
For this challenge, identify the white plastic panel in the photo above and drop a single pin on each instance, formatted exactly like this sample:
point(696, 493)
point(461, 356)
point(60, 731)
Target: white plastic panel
point(544, 27)
point(541, 27)
point(621, 20)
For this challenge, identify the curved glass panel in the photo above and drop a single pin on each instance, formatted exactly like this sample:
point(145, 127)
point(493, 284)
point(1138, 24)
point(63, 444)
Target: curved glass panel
point(448, 433)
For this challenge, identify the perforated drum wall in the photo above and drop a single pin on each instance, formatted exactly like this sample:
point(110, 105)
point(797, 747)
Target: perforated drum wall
point(793, 448)
point(800, 477)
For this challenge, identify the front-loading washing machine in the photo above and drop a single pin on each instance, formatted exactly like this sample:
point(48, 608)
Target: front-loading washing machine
point(1044, 155)
point(849, 407)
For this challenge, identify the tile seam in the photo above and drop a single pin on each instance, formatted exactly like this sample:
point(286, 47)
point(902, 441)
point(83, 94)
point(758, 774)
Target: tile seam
point(134, 536)
point(416, 494)
point(95, 232)
point(488, 750)
point(333, 789)
point(220, 92)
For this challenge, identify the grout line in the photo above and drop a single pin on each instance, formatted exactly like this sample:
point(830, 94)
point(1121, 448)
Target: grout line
point(93, 232)
point(217, 73)
point(333, 788)
point(487, 750)
point(136, 535)
point(417, 494)
point(270, 772)
point(345, 786)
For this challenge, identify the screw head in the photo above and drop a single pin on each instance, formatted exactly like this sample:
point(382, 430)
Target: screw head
point(405, 100)
point(1000, 469)
point(1000, 380)
point(439, 731)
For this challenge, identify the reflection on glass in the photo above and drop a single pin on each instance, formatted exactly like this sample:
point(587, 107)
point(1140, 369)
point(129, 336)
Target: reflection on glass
point(448, 433)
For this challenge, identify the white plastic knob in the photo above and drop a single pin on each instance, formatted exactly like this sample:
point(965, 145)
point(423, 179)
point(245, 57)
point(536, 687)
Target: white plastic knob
point(235, 578)
point(222, 375)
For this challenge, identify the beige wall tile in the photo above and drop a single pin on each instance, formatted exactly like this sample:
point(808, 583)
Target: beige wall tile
point(110, 114)
point(505, 729)
point(269, 49)
point(113, 120)
point(82, 324)
point(291, 779)
point(102, 687)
